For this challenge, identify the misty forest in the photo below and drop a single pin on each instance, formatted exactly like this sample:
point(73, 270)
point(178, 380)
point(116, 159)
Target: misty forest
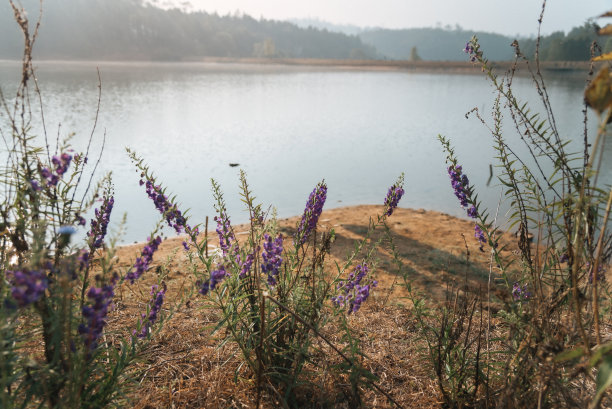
point(132, 30)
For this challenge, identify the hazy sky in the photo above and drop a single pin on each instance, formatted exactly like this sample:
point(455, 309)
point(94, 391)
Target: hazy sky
point(503, 16)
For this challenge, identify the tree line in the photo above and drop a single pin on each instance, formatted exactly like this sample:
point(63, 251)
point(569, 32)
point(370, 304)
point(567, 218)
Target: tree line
point(135, 30)
point(446, 44)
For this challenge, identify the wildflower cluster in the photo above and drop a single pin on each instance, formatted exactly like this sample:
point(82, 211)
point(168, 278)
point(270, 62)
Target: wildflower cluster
point(54, 174)
point(157, 300)
point(272, 259)
point(314, 207)
point(520, 292)
point(479, 234)
point(227, 242)
point(142, 263)
point(394, 195)
point(225, 232)
point(461, 187)
point(99, 224)
point(352, 291)
point(216, 276)
point(173, 215)
point(27, 286)
point(94, 314)
point(460, 184)
point(472, 48)
point(246, 266)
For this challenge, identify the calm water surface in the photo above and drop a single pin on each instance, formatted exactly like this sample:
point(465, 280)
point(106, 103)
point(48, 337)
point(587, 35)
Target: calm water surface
point(287, 127)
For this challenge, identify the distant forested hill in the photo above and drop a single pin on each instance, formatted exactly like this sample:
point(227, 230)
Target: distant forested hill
point(134, 30)
point(448, 44)
point(131, 30)
point(435, 44)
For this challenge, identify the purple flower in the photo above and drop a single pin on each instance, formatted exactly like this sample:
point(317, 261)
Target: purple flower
point(314, 207)
point(463, 192)
point(83, 260)
point(61, 163)
point(60, 166)
point(35, 185)
point(394, 195)
point(272, 259)
point(216, 276)
point(361, 294)
point(27, 286)
point(519, 292)
point(157, 300)
point(45, 173)
point(353, 292)
point(469, 49)
point(479, 234)
point(225, 233)
point(460, 184)
point(81, 220)
point(246, 266)
point(472, 48)
point(142, 263)
point(99, 224)
point(94, 314)
point(169, 210)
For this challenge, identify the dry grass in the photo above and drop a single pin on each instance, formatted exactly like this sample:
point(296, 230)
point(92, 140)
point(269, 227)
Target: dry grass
point(186, 367)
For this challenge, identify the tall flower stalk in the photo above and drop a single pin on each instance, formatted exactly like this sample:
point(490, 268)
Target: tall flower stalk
point(312, 212)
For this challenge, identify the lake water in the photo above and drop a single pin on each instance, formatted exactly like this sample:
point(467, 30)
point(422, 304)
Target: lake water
point(287, 127)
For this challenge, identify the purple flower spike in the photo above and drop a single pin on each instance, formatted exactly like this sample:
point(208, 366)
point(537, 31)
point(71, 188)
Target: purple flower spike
point(169, 210)
point(216, 276)
point(394, 195)
point(142, 263)
point(314, 207)
point(479, 234)
point(520, 293)
point(157, 300)
point(351, 292)
point(472, 49)
point(35, 185)
point(226, 234)
point(99, 224)
point(27, 286)
point(94, 314)
point(246, 266)
point(272, 259)
point(60, 166)
point(460, 183)
point(361, 294)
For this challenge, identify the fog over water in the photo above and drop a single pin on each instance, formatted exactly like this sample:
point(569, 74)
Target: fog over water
point(287, 127)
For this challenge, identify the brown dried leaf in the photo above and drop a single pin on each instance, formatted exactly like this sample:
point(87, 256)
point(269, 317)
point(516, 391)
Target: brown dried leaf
point(605, 31)
point(598, 94)
point(604, 57)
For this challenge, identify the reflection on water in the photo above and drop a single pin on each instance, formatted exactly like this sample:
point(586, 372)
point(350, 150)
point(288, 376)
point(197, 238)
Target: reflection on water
point(287, 127)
